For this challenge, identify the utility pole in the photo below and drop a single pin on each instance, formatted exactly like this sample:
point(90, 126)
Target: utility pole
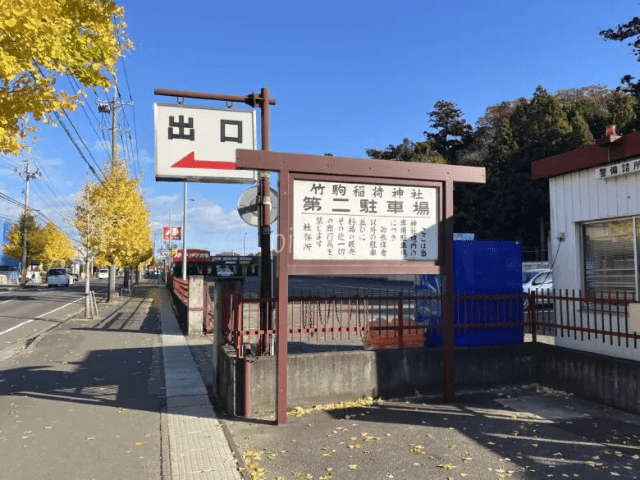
point(184, 235)
point(27, 175)
point(112, 107)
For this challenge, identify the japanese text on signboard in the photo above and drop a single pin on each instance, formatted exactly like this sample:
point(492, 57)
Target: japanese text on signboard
point(617, 169)
point(353, 221)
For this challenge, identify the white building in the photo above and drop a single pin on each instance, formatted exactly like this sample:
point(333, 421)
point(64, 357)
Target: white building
point(595, 236)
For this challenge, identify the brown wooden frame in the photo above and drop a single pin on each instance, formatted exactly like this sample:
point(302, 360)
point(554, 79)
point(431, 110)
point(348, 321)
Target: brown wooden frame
point(291, 166)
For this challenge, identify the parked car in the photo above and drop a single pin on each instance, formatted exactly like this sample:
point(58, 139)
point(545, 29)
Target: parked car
point(102, 273)
point(59, 276)
point(225, 272)
point(538, 280)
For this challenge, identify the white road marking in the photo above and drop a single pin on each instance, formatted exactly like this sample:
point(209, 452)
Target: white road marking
point(40, 316)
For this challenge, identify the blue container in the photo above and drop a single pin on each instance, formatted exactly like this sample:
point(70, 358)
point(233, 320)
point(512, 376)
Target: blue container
point(480, 268)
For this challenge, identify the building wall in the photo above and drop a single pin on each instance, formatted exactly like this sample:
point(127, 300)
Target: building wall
point(4, 236)
point(575, 198)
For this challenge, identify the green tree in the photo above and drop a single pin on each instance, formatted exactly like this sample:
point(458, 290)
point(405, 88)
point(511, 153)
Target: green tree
point(40, 41)
point(621, 108)
point(113, 220)
point(452, 131)
point(628, 31)
point(408, 151)
point(625, 31)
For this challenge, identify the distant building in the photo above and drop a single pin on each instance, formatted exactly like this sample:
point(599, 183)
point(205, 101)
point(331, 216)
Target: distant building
point(5, 259)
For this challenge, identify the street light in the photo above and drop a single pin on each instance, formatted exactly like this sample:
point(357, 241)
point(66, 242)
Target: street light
point(244, 242)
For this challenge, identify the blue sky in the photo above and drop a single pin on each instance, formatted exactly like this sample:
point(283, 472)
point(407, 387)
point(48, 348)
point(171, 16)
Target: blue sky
point(347, 76)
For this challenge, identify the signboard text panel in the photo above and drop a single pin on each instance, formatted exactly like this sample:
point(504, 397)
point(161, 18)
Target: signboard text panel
point(362, 221)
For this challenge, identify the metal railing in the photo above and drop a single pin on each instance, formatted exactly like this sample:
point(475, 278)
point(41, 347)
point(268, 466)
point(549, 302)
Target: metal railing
point(414, 319)
point(180, 289)
point(584, 317)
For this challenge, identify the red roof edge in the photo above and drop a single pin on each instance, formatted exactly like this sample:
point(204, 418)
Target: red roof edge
point(587, 157)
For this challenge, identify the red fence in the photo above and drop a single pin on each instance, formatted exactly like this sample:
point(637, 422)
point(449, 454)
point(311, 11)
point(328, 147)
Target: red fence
point(585, 317)
point(410, 319)
point(180, 291)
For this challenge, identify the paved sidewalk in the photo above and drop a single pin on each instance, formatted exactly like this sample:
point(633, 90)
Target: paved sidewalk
point(198, 447)
point(114, 398)
point(526, 432)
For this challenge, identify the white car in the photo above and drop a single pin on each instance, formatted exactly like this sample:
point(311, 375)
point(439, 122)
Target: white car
point(102, 273)
point(225, 272)
point(538, 281)
point(59, 276)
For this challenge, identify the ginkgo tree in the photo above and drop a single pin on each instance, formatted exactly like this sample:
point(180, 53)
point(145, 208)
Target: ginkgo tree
point(48, 245)
point(113, 220)
point(40, 42)
point(57, 248)
point(13, 246)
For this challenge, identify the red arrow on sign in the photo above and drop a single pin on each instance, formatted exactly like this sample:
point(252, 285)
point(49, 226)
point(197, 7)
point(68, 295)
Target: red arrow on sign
point(190, 162)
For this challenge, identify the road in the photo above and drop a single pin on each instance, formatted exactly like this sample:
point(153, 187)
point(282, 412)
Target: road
point(25, 312)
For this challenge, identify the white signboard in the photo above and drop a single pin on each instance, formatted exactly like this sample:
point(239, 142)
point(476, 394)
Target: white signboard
point(618, 169)
point(357, 221)
point(199, 144)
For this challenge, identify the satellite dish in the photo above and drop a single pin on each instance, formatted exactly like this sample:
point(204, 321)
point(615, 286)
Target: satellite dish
point(248, 206)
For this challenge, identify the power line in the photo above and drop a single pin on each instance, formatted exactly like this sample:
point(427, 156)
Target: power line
point(64, 127)
point(101, 141)
point(78, 148)
point(13, 221)
point(7, 198)
point(60, 199)
point(133, 109)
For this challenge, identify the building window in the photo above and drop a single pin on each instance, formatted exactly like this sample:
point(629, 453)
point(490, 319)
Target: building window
point(610, 258)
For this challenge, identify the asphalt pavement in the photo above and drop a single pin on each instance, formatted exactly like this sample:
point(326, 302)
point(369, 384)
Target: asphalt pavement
point(127, 396)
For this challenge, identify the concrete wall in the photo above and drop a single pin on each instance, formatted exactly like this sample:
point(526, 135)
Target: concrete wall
point(337, 376)
point(611, 381)
point(315, 378)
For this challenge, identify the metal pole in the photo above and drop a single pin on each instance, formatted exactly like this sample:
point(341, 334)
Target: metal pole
point(184, 235)
point(114, 145)
point(114, 153)
point(24, 232)
point(264, 226)
point(170, 244)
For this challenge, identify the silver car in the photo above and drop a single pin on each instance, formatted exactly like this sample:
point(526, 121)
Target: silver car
point(539, 281)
